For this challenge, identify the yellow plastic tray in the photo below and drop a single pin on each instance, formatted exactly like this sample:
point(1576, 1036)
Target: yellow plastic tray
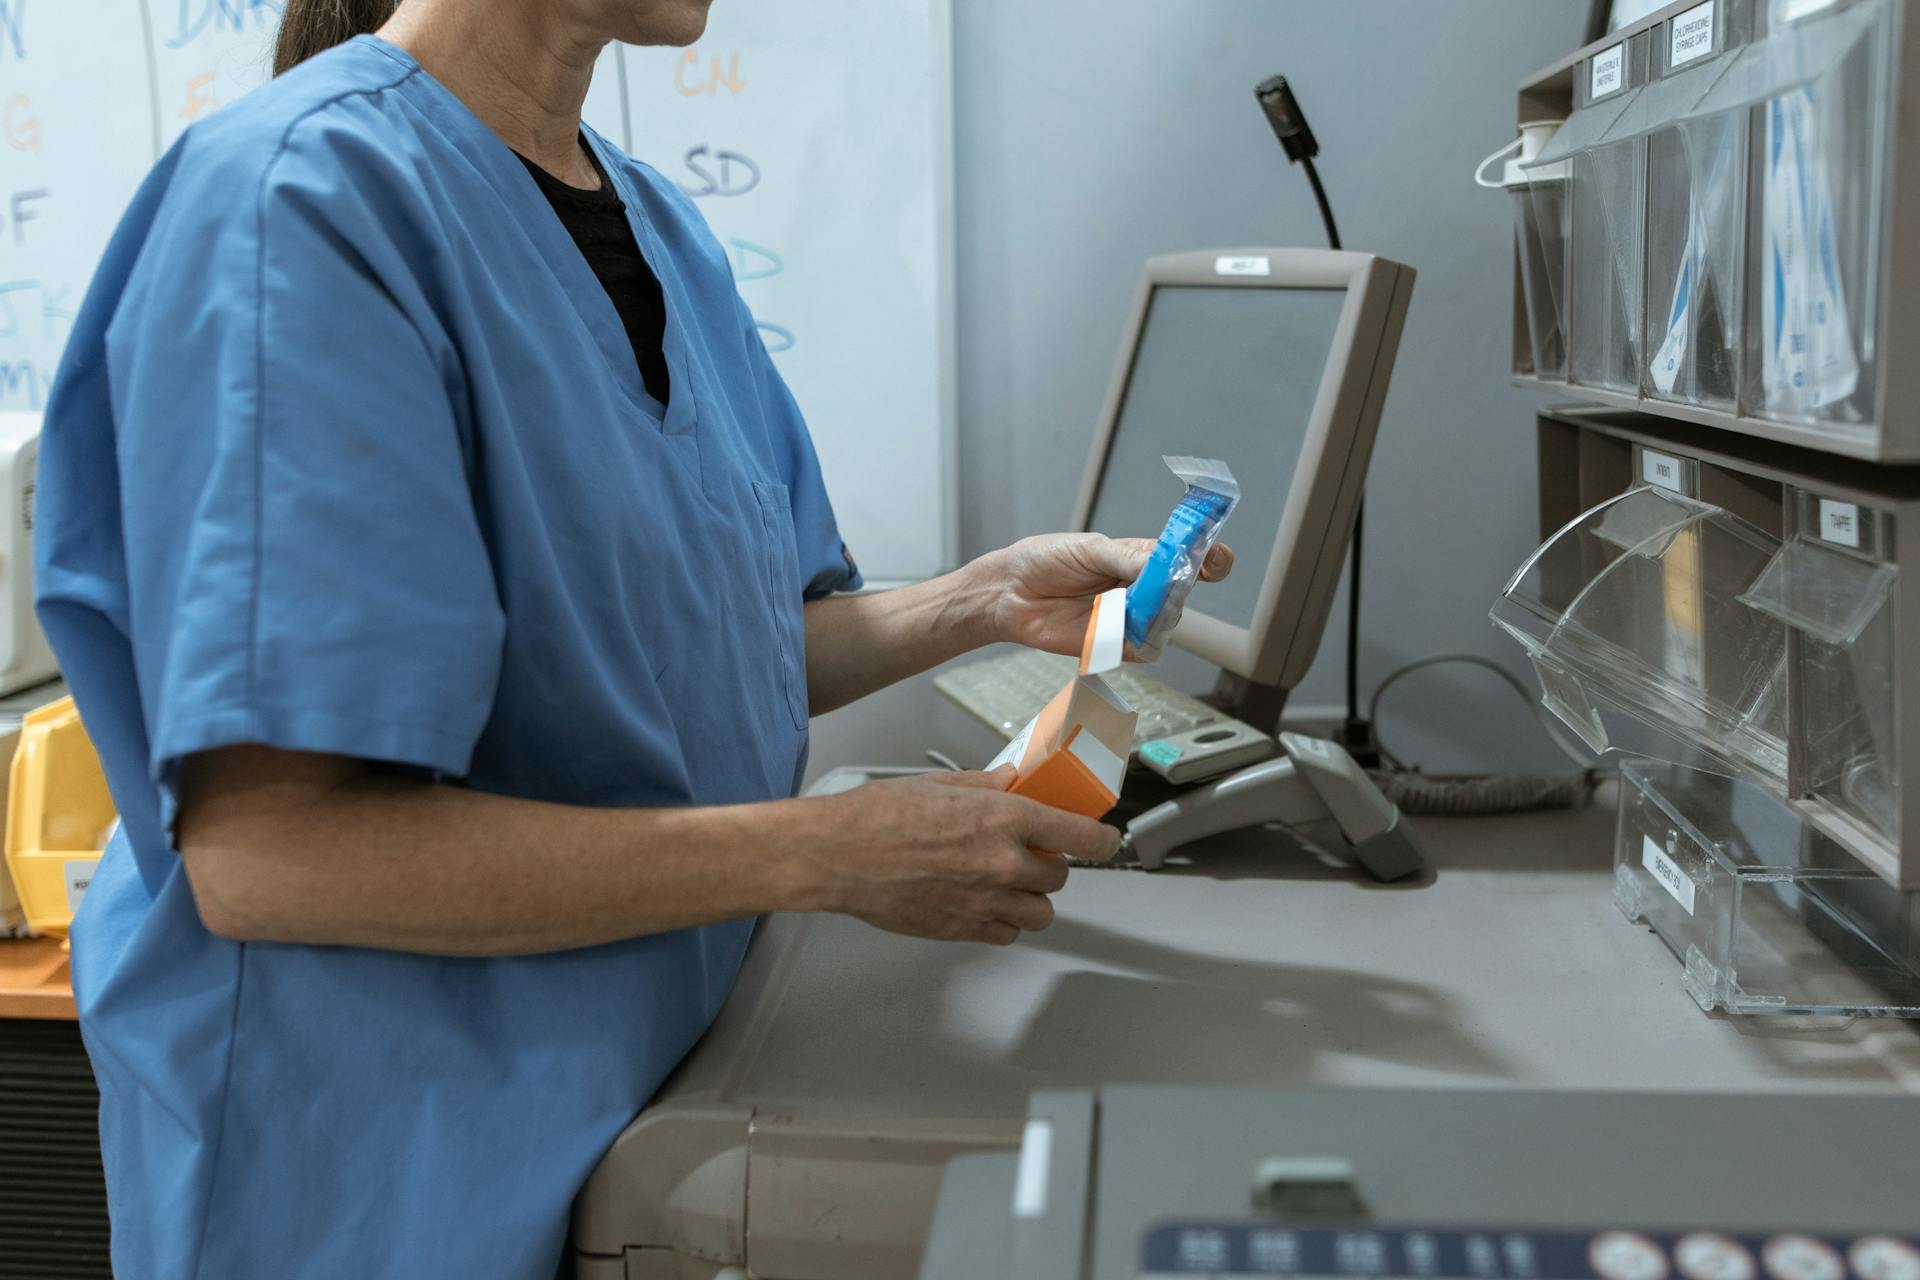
point(58, 815)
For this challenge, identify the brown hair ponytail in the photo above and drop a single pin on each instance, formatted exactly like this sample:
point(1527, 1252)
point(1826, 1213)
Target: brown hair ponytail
point(308, 27)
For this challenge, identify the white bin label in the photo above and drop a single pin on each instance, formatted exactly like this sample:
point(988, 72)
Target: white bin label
point(1226, 265)
point(1840, 522)
point(79, 874)
point(1659, 469)
point(1608, 70)
point(1690, 35)
point(1675, 881)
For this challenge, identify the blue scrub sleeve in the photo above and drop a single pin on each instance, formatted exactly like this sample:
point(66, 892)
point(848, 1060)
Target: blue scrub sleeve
point(306, 566)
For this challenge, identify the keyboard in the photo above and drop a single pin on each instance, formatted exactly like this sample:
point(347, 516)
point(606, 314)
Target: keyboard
point(1005, 692)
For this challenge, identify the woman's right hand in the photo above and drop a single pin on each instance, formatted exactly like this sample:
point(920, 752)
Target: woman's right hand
point(950, 856)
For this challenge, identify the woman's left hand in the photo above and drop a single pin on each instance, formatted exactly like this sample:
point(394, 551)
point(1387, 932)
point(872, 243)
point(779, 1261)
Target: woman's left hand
point(1044, 586)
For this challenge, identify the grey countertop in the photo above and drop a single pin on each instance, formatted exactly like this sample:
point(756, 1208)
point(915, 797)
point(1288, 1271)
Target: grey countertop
point(1259, 962)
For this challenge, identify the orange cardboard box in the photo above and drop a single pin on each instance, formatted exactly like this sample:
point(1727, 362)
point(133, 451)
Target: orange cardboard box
point(1073, 755)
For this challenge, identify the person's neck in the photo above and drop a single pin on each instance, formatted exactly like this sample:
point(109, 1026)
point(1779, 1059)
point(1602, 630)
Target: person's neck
point(523, 74)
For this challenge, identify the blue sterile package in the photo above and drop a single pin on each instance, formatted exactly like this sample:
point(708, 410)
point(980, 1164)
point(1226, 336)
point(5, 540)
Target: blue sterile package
point(1156, 598)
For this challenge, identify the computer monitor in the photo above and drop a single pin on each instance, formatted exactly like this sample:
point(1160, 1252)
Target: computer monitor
point(1276, 361)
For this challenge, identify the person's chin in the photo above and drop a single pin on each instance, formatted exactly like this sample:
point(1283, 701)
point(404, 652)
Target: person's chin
point(683, 24)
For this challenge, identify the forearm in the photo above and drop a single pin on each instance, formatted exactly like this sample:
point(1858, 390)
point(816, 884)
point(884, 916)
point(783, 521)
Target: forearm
point(862, 643)
point(377, 861)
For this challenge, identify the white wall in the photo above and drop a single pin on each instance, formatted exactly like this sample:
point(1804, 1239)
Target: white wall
point(1094, 133)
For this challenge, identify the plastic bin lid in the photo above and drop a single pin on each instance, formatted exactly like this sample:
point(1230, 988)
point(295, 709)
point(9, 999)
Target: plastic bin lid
point(1639, 605)
point(1819, 589)
point(1667, 101)
point(1795, 55)
point(1583, 129)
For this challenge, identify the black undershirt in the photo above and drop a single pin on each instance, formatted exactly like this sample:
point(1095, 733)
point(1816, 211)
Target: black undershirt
point(597, 221)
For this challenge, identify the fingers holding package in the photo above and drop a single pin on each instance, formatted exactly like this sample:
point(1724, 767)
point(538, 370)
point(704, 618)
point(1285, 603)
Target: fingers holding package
point(950, 856)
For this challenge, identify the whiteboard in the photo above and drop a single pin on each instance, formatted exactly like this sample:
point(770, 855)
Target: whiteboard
point(820, 153)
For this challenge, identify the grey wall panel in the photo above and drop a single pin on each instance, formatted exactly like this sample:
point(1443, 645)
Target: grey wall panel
point(1094, 133)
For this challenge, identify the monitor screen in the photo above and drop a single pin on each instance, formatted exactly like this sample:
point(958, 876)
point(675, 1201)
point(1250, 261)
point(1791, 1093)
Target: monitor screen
point(1229, 373)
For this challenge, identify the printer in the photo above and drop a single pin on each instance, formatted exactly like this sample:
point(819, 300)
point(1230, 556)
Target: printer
point(25, 658)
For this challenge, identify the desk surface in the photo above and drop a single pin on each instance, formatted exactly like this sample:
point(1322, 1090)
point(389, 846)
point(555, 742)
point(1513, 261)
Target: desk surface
point(33, 979)
point(1258, 963)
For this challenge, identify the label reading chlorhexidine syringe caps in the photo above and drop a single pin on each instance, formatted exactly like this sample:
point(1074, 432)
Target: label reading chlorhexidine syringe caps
point(1690, 35)
point(1608, 71)
point(1676, 882)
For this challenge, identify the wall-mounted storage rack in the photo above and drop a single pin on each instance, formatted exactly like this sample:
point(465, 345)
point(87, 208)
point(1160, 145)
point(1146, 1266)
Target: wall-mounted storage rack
point(1745, 599)
point(1725, 227)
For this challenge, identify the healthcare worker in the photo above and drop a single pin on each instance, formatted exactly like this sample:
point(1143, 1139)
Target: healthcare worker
point(446, 578)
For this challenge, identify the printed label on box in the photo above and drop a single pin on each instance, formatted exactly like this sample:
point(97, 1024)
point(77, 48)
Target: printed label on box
point(1252, 265)
point(1014, 751)
point(79, 874)
point(1073, 755)
point(1840, 522)
point(1609, 72)
point(1107, 766)
point(1659, 469)
point(1676, 882)
point(1690, 35)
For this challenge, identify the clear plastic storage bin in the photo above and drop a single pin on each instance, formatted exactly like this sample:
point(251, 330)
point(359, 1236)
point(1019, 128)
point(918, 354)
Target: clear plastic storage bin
point(1766, 913)
point(1814, 86)
point(1694, 265)
point(1832, 585)
point(1540, 226)
point(1696, 211)
point(1744, 600)
point(1604, 197)
point(1543, 222)
point(1736, 222)
point(1636, 605)
point(1607, 191)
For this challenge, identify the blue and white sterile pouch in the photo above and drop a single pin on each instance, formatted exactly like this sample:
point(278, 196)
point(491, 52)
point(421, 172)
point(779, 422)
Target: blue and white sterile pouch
point(1159, 594)
point(1807, 354)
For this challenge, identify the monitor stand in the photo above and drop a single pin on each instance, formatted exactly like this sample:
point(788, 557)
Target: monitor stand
point(1259, 705)
point(1310, 782)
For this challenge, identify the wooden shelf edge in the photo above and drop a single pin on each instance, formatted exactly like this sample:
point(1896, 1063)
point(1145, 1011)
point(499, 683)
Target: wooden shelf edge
point(35, 980)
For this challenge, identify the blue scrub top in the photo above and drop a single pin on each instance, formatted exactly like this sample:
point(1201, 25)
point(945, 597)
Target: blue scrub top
point(350, 453)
